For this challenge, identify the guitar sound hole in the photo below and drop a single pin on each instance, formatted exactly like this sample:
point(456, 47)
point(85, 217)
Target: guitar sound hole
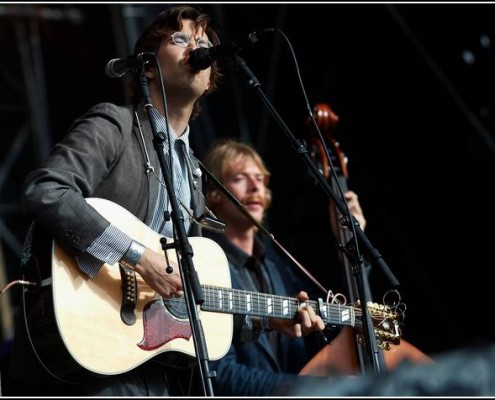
point(177, 307)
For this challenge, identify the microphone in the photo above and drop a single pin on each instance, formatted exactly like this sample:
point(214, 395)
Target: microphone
point(118, 67)
point(202, 58)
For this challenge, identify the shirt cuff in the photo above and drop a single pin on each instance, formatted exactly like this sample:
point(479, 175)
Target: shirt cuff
point(108, 248)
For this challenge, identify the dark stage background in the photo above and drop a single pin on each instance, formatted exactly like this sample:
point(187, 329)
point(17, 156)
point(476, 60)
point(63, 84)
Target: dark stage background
point(412, 85)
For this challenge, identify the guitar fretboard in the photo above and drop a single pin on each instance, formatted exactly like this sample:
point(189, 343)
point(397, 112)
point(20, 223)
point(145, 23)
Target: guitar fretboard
point(236, 301)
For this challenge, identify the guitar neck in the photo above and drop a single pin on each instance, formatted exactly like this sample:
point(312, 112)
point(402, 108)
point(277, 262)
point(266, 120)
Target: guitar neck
point(236, 301)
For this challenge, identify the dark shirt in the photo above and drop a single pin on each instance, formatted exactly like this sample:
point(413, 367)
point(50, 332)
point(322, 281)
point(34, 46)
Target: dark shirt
point(268, 366)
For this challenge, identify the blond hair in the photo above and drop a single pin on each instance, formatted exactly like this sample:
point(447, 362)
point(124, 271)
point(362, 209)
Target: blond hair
point(217, 160)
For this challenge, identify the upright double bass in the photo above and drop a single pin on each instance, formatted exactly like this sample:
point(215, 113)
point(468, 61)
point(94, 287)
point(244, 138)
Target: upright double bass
point(346, 353)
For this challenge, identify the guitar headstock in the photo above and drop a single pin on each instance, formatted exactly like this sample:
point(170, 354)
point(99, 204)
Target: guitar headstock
point(386, 325)
point(387, 321)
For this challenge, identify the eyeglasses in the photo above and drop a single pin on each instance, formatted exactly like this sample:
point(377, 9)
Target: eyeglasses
point(183, 40)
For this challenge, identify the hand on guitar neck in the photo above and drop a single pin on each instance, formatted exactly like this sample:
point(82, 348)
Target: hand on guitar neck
point(304, 326)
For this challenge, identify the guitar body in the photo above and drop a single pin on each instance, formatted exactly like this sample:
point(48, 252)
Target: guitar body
point(39, 314)
point(75, 322)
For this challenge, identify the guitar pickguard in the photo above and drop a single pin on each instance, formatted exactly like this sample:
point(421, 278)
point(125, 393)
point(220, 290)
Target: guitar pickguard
point(164, 321)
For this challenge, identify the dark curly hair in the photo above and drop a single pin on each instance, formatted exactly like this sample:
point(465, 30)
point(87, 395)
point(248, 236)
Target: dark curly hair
point(164, 24)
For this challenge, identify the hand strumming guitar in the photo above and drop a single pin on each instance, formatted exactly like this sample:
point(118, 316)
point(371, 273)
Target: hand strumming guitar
point(153, 268)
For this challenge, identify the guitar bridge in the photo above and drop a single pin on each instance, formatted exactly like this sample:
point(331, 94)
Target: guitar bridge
point(129, 296)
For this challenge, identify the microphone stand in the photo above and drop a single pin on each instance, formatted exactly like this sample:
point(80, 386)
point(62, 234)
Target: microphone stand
point(192, 289)
point(375, 257)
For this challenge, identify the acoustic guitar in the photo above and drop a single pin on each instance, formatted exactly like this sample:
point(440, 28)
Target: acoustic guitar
point(115, 322)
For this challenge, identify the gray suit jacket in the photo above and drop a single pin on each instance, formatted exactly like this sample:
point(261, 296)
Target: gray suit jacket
point(102, 156)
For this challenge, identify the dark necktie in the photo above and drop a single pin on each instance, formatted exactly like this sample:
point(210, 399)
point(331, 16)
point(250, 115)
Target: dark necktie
point(182, 190)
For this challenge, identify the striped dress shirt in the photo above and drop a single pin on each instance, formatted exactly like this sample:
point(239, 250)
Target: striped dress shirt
point(112, 244)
